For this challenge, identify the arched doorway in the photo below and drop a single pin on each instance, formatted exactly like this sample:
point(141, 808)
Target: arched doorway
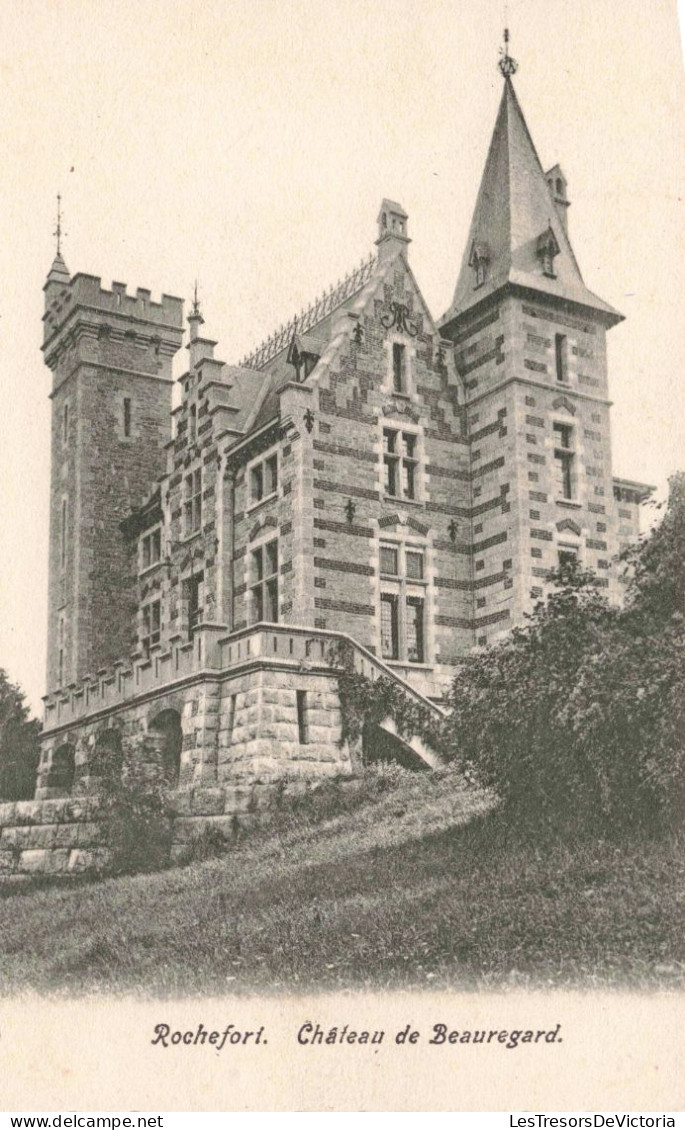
point(62, 769)
point(106, 760)
point(167, 726)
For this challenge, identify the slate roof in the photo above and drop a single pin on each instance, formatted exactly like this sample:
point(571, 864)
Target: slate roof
point(279, 373)
point(514, 207)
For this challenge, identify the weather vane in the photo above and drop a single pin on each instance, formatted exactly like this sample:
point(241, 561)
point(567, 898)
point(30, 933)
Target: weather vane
point(58, 230)
point(196, 300)
point(507, 65)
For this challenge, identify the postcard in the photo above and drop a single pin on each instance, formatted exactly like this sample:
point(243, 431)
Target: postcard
point(340, 686)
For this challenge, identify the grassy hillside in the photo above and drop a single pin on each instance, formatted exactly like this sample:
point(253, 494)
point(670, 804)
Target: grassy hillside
point(412, 883)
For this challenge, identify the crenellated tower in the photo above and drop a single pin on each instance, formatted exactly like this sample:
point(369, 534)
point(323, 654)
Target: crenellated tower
point(110, 355)
point(529, 341)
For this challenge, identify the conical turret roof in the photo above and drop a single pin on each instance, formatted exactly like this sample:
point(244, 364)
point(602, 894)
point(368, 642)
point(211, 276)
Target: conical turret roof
point(511, 224)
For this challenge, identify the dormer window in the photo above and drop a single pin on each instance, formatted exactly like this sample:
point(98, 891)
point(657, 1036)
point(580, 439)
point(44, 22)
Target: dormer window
point(478, 261)
point(547, 250)
point(303, 354)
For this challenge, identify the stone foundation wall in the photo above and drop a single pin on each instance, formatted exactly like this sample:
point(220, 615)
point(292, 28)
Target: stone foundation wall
point(51, 837)
point(65, 837)
point(240, 727)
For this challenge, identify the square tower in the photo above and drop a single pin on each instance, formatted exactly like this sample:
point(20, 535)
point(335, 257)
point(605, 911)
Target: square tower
point(110, 356)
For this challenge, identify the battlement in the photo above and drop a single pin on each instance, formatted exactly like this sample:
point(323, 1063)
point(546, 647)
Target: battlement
point(86, 292)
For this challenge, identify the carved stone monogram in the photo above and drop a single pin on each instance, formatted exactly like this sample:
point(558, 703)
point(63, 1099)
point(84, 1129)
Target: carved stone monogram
point(398, 318)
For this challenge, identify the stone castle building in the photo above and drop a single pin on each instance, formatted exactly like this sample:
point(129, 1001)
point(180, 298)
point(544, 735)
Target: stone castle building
point(369, 475)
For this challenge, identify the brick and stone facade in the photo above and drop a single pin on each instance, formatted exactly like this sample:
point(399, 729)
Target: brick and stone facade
point(368, 476)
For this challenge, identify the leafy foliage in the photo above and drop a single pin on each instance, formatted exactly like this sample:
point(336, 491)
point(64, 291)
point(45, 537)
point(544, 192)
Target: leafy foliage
point(363, 701)
point(578, 717)
point(19, 749)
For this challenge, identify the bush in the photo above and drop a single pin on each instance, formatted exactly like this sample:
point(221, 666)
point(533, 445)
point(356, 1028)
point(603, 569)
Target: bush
point(137, 815)
point(578, 717)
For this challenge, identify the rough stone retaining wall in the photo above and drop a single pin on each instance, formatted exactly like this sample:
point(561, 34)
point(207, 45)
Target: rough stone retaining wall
point(63, 836)
point(51, 836)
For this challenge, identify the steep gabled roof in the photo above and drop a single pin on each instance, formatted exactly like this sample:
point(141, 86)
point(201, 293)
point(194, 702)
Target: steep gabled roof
point(513, 210)
point(350, 295)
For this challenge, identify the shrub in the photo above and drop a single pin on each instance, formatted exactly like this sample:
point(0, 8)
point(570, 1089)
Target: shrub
point(578, 717)
point(137, 816)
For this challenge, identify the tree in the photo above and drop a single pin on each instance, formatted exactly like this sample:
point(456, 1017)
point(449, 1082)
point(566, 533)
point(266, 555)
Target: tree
point(19, 749)
point(579, 717)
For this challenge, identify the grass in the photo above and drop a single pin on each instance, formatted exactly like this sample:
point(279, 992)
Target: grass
point(412, 882)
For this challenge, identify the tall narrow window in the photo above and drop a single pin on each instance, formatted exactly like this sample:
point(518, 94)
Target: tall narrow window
point(195, 587)
point(152, 621)
point(192, 423)
point(400, 463)
point(63, 533)
point(61, 651)
point(127, 417)
point(389, 626)
point(263, 479)
point(561, 357)
point(302, 727)
point(230, 721)
point(415, 653)
point(399, 367)
point(65, 423)
point(151, 549)
point(265, 583)
point(403, 603)
point(192, 504)
point(563, 460)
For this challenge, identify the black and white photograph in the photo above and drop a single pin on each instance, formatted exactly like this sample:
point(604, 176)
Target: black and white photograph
point(343, 568)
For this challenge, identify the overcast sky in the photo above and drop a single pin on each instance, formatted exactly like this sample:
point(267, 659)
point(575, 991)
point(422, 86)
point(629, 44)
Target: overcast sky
point(250, 142)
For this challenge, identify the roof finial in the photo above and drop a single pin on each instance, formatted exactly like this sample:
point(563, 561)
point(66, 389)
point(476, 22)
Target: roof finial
point(58, 230)
point(507, 65)
point(196, 301)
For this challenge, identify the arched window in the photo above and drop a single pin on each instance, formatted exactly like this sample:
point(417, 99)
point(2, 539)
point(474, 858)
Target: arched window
point(106, 759)
point(62, 769)
point(167, 726)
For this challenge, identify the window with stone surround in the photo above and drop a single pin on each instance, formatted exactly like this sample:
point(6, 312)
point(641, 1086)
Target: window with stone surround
point(63, 532)
point(126, 421)
point(194, 595)
point(567, 555)
point(264, 583)
point(192, 502)
point(151, 624)
point(399, 367)
point(403, 602)
point(561, 357)
point(263, 479)
point(65, 423)
point(150, 548)
point(564, 457)
point(302, 720)
point(400, 463)
point(60, 674)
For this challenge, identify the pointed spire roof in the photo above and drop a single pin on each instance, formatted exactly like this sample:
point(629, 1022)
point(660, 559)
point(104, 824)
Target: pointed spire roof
point(514, 214)
point(58, 271)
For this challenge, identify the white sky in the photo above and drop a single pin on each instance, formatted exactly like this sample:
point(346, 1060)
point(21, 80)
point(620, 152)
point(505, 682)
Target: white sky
point(250, 142)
